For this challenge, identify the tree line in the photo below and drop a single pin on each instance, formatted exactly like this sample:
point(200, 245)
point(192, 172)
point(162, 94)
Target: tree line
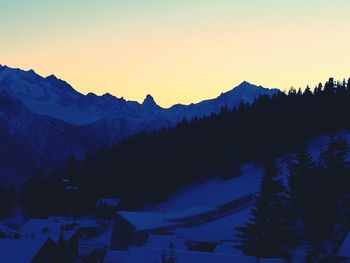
point(308, 217)
point(148, 167)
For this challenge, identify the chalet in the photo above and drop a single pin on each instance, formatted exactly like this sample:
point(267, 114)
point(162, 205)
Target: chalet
point(87, 227)
point(106, 207)
point(6, 231)
point(29, 250)
point(115, 256)
point(344, 250)
point(133, 228)
point(108, 202)
point(64, 235)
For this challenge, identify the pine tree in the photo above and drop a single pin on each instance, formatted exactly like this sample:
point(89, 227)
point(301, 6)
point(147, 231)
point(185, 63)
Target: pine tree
point(307, 91)
point(268, 231)
point(329, 87)
point(335, 168)
point(300, 93)
point(232, 163)
point(326, 217)
point(62, 248)
point(72, 169)
point(168, 258)
point(300, 170)
point(319, 88)
point(171, 258)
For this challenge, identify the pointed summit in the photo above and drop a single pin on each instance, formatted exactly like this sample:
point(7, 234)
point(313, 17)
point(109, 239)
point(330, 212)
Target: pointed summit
point(149, 101)
point(244, 85)
point(52, 77)
point(248, 88)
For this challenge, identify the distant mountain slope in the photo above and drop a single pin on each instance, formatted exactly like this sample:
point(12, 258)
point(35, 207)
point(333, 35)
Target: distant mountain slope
point(245, 92)
point(55, 98)
point(30, 141)
point(49, 120)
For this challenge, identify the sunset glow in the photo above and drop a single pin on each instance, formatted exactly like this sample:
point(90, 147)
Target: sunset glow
point(178, 51)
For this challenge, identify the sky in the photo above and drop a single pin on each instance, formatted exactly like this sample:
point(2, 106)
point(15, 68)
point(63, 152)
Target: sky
point(180, 51)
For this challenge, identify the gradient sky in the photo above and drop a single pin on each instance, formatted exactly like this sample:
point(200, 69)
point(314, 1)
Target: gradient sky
point(179, 51)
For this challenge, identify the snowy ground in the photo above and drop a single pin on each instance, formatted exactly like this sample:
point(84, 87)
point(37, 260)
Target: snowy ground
point(214, 192)
point(222, 229)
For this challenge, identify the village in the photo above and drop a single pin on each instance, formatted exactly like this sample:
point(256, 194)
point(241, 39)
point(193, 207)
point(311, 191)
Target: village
point(199, 230)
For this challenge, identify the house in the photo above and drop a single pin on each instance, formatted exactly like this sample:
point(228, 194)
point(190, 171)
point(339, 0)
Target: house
point(344, 250)
point(95, 246)
point(6, 231)
point(87, 227)
point(28, 250)
point(106, 207)
point(108, 202)
point(64, 235)
point(133, 228)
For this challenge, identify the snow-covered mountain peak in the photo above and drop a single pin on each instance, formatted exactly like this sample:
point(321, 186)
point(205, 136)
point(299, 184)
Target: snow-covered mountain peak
point(53, 97)
point(33, 108)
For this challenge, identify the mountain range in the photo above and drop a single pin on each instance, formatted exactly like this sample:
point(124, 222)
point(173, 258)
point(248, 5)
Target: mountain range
point(44, 120)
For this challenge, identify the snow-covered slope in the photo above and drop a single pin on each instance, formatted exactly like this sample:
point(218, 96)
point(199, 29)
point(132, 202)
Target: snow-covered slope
point(48, 120)
point(55, 98)
point(245, 92)
point(214, 192)
point(30, 141)
point(217, 192)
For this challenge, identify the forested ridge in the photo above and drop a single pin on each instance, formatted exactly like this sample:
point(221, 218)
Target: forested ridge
point(146, 168)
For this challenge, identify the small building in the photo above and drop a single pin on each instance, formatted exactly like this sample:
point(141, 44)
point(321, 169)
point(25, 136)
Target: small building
point(108, 202)
point(6, 231)
point(28, 250)
point(344, 250)
point(106, 207)
point(133, 228)
point(64, 235)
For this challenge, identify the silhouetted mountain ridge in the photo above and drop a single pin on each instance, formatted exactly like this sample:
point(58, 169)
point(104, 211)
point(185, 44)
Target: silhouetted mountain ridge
point(53, 120)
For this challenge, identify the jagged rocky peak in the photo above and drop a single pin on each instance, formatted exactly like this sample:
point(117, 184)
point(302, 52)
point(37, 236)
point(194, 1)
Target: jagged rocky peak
point(51, 77)
point(149, 101)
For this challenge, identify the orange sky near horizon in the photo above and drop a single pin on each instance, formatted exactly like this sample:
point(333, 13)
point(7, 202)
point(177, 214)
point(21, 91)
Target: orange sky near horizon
point(179, 53)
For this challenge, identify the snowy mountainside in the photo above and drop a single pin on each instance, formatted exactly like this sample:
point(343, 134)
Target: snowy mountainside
point(214, 192)
point(31, 141)
point(49, 120)
point(217, 192)
point(55, 98)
